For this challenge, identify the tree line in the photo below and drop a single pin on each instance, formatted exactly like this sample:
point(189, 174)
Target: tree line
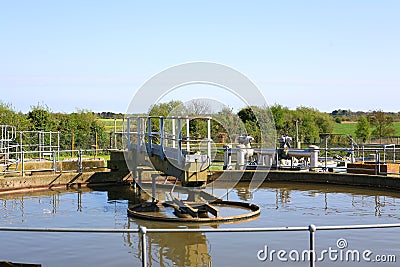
point(305, 123)
point(375, 124)
point(81, 126)
point(255, 121)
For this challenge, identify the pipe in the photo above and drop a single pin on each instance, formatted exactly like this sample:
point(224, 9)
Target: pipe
point(240, 157)
point(314, 158)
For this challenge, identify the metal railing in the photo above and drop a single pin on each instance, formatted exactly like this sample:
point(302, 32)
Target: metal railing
point(21, 158)
point(143, 231)
point(377, 155)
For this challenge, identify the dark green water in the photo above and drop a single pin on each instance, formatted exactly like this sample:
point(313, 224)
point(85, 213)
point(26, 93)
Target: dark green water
point(281, 205)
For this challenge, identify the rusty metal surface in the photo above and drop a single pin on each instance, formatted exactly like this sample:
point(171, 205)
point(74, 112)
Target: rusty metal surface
point(254, 212)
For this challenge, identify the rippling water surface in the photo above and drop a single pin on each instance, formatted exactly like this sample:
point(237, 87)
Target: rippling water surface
point(281, 205)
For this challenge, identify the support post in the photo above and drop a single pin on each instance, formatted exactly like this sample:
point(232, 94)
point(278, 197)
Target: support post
point(267, 160)
point(139, 135)
point(179, 143)
point(128, 132)
point(298, 146)
point(115, 133)
point(312, 228)
point(187, 135)
point(80, 161)
point(21, 146)
point(363, 154)
point(326, 153)
point(138, 147)
point(162, 137)
point(139, 173)
point(209, 140)
point(384, 154)
point(96, 145)
point(143, 232)
point(40, 145)
point(377, 162)
point(134, 183)
point(149, 136)
point(54, 162)
point(173, 133)
point(50, 143)
point(153, 187)
point(23, 163)
point(72, 144)
point(227, 157)
point(58, 146)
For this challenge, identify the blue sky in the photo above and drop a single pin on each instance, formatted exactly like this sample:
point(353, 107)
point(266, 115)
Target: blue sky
point(95, 54)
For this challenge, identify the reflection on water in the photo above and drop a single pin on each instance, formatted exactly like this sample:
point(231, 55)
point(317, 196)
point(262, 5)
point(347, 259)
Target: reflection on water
point(281, 205)
point(180, 249)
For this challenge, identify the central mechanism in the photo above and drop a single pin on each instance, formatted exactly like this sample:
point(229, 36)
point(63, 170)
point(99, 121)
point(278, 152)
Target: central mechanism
point(173, 165)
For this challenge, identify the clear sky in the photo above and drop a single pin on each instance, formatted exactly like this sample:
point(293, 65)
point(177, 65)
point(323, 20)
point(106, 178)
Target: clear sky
point(95, 54)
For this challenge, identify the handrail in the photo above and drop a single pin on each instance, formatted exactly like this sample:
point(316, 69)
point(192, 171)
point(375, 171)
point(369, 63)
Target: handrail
point(143, 231)
point(21, 158)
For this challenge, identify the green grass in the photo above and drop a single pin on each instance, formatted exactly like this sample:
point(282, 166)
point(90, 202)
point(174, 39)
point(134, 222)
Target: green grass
point(109, 124)
point(349, 128)
point(101, 156)
point(345, 128)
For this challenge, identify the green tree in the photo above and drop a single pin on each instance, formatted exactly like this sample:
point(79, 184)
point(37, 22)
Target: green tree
point(165, 109)
point(41, 119)
point(226, 125)
point(247, 115)
point(259, 123)
point(8, 116)
point(324, 122)
point(312, 123)
point(363, 129)
point(280, 115)
point(84, 125)
point(249, 118)
point(197, 107)
point(171, 108)
point(383, 124)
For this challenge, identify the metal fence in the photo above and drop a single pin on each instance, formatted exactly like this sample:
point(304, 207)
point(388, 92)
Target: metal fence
point(371, 159)
point(54, 158)
point(16, 161)
point(143, 231)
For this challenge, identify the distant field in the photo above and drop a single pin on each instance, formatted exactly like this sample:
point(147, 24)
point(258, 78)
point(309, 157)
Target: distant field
point(345, 128)
point(338, 128)
point(109, 124)
point(349, 128)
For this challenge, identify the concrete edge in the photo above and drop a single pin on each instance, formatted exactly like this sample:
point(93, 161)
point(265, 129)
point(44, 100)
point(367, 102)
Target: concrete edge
point(376, 181)
point(62, 180)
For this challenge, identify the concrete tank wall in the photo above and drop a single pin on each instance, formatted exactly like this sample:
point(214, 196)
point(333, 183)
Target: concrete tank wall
point(315, 177)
